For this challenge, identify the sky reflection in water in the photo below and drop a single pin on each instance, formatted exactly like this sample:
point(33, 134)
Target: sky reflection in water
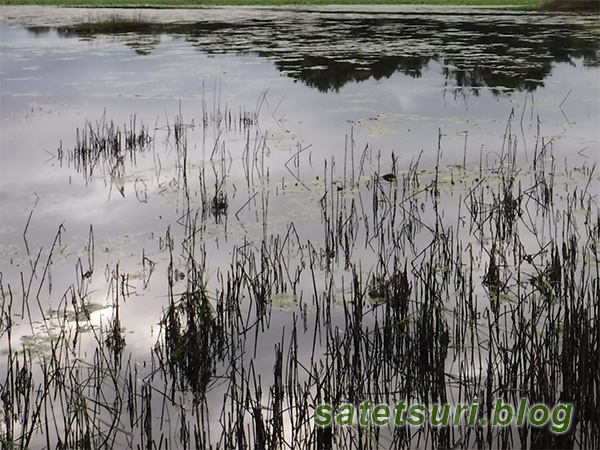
point(390, 81)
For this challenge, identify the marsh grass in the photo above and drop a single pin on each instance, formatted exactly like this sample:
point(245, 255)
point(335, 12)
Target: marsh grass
point(116, 25)
point(501, 300)
point(102, 150)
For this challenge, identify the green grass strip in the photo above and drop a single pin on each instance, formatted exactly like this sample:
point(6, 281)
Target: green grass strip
point(524, 4)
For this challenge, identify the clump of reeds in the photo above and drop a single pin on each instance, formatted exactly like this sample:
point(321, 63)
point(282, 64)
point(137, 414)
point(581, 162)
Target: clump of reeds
point(192, 341)
point(103, 147)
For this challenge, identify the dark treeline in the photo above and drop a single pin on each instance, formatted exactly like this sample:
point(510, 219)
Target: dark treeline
point(505, 52)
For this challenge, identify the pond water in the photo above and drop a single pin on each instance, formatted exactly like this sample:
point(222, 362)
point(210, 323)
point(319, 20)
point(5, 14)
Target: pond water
point(293, 171)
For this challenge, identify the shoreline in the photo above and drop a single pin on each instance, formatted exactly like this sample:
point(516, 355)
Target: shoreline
point(526, 5)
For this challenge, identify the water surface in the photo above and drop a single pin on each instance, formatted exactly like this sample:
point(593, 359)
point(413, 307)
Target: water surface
point(291, 115)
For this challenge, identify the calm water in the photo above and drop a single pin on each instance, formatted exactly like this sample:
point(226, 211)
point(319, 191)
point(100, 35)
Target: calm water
point(329, 95)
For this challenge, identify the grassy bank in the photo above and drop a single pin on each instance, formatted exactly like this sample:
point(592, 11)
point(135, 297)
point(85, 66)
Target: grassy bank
point(545, 5)
point(526, 4)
